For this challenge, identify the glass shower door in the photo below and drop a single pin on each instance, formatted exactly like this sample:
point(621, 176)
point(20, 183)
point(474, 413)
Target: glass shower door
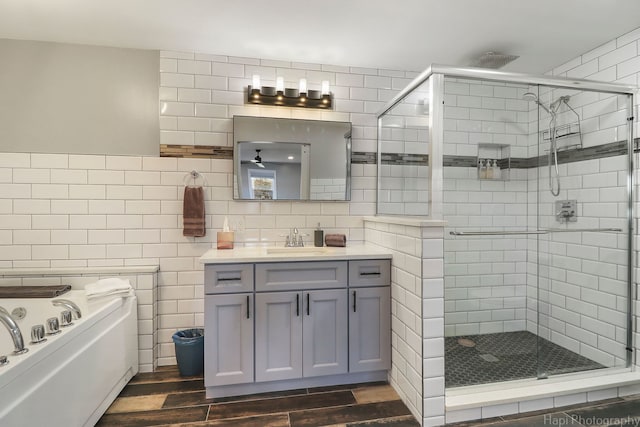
point(487, 207)
point(582, 256)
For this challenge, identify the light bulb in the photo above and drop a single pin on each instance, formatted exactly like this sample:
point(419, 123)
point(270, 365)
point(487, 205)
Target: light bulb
point(280, 84)
point(325, 87)
point(303, 85)
point(256, 82)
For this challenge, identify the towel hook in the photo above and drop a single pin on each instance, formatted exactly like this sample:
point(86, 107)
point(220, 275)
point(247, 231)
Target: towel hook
point(193, 176)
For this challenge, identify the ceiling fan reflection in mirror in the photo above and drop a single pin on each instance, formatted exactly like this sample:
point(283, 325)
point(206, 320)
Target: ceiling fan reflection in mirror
point(257, 159)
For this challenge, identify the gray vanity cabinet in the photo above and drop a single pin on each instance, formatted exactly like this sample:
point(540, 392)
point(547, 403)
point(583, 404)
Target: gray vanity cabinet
point(369, 329)
point(228, 339)
point(301, 334)
point(282, 325)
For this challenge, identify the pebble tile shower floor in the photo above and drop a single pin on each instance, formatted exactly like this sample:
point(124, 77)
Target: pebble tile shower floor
point(506, 356)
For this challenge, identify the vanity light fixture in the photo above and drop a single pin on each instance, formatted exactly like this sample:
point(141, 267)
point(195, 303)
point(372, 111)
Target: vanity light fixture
point(289, 97)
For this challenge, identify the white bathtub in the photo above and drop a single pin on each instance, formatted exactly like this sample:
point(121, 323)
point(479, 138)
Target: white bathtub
point(72, 378)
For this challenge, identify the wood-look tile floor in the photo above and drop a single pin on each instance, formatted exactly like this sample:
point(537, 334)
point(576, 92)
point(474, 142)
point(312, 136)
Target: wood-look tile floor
point(617, 411)
point(163, 398)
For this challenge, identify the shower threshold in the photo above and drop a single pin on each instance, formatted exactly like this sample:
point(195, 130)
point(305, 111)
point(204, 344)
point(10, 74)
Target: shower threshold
point(507, 356)
point(465, 403)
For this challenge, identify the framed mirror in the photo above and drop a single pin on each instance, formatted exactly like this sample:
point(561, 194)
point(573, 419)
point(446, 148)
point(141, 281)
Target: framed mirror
point(291, 159)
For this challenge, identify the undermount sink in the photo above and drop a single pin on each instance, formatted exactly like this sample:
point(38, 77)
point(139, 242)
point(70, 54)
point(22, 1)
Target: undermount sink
point(307, 250)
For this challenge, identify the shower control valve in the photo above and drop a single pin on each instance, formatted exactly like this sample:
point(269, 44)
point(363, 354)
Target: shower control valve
point(567, 211)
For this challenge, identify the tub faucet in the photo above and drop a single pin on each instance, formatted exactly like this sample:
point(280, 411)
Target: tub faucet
point(77, 314)
point(14, 330)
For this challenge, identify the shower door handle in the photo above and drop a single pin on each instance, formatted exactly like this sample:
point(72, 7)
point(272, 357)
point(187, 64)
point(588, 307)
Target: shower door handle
point(593, 230)
point(515, 233)
point(494, 233)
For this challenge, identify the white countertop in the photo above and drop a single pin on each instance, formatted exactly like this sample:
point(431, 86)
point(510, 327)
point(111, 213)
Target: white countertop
point(280, 253)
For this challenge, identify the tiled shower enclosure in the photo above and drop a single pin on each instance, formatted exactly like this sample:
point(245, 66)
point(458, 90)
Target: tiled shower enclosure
point(533, 178)
point(563, 276)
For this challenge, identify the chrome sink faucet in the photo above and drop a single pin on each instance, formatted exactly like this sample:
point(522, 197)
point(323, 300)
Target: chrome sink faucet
point(14, 330)
point(294, 239)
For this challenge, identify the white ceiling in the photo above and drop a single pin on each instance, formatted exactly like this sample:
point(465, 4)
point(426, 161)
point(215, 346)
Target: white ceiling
point(393, 34)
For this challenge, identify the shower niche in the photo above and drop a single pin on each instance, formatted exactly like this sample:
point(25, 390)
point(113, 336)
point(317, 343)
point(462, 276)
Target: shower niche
point(493, 162)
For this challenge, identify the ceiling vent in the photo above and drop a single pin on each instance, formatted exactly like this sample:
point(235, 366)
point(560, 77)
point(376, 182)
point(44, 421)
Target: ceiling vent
point(493, 60)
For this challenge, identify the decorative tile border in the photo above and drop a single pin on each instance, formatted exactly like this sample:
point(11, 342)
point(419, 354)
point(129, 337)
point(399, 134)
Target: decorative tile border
point(361, 157)
point(405, 159)
point(196, 151)
point(612, 149)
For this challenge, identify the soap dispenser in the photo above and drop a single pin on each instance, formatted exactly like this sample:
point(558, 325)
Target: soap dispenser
point(318, 237)
point(496, 170)
point(489, 173)
point(482, 169)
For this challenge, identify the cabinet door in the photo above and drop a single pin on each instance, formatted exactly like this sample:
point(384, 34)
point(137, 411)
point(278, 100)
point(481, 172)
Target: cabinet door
point(228, 340)
point(278, 336)
point(325, 333)
point(369, 329)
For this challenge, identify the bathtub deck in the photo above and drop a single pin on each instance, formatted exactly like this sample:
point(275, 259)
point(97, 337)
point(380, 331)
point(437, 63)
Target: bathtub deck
point(163, 397)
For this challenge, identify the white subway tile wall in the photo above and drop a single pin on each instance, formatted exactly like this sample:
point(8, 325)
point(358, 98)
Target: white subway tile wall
point(406, 317)
point(581, 289)
point(583, 279)
point(417, 307)
point(403, 185)
point(485, 277)
point(59, 210)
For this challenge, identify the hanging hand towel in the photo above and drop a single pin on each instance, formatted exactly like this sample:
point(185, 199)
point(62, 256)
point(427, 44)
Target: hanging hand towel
point(193, 212)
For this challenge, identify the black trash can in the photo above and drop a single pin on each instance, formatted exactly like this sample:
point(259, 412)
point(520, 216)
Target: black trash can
point(189, 345)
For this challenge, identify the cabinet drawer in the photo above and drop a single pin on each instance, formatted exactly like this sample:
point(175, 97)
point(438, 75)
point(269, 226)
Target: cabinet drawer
point(370, 272)
point(228, 278)
point(293, 276)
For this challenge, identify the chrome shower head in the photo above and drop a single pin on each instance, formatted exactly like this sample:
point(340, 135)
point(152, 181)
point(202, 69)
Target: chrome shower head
point(530, 96)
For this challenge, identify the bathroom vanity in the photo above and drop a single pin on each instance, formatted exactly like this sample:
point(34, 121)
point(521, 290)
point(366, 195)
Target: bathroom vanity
point(288, 318)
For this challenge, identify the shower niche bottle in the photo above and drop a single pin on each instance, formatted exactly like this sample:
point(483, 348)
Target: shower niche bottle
point(482, 169)
point(489, 169)
point(495, 170)
point(494, 161)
